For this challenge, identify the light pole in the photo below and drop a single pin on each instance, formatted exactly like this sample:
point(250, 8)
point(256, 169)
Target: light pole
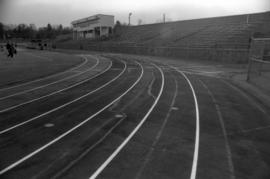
point(164, 18)
point(129, 18)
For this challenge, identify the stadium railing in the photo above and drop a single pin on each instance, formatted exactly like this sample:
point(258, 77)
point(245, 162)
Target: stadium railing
point(259, 62)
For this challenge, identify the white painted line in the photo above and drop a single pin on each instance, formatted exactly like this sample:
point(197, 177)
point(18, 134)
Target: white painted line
point(118, 116)
point(197, 135)
point(41, 57)
point(243, 131)
point(62, 106)
point(189, 72)
point(196, 66)
point(192, 72)
point(49, 125)
point(221, 121)
point(46, 77)
point(55, 92)
point(265, 38)
point(69, 131)
point(149, 91)
point(252, 102)
point(113, 155)
point(256, 129)
point(42, 86)
point(200, 71)
point(157, 138)
point(72, 163)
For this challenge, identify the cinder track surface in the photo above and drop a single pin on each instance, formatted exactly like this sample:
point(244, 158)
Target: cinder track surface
point(120, 116)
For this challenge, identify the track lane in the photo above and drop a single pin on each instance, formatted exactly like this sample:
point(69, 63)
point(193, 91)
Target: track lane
point(212, 154)
point(133, 107)
point(170, 152)
point(231, 172)
point(175, 163)
point(41, 84)
point(197, 136)
point(16, 118)
point(136, 95)
point(18, 101)
point(133, 132)
point(196, 124)
point(227, 108)
point(46, 77)
point(239, 115)
point(83, 110)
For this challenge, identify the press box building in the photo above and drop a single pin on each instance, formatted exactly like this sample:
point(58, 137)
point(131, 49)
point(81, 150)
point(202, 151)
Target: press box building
point(93, 27)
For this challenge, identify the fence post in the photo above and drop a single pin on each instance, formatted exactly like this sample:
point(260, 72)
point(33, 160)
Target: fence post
point(187, 56)
point(249, 68)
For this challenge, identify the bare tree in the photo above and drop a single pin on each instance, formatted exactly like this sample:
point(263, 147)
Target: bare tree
point(1, 30)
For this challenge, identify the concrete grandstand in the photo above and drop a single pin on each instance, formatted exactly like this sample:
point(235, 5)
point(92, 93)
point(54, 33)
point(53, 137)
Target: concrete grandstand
point(219, 38)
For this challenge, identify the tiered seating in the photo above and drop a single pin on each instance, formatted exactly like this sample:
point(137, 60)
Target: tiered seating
point(220, 32)
point(217, 35)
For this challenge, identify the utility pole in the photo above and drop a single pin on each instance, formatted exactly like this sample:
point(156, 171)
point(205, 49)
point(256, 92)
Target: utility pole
point(164, 18)
point(248, 19)
point(129, 18)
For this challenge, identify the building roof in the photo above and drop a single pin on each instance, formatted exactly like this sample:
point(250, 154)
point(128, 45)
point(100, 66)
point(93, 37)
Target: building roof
point(90, 18)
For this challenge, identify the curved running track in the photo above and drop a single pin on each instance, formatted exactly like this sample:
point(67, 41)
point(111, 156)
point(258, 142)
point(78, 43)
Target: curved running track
point(118, 116)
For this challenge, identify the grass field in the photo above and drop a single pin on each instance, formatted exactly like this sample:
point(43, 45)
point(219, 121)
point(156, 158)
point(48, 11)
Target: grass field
point(30, 65)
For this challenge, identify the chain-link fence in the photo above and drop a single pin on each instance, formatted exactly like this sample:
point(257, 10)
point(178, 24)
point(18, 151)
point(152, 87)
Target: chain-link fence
point(259, 62)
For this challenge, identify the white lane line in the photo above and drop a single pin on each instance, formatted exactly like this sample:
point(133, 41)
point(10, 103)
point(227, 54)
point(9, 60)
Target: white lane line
point(153, 146)
point(149, 91)
point(199, 73)
point(113, 155)
point(61, 172)
point(82, 155)
point(197, 135)
point(71, 130)
point(41, 57)
point(189, 72)
point(252, 102)
point(55, 92)
point(64, 105)
point(250, 130)
point(46, 77)
point(130, 102)
point(42, 86)
point(220, 117)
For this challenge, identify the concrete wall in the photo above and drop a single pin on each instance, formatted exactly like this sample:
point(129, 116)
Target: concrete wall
point(222, 55)
point(106, 20)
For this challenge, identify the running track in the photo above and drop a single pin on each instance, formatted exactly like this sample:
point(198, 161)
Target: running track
point(118, 116)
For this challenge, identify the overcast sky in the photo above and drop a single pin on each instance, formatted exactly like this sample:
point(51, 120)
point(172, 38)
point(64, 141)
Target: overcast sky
point(42, 12)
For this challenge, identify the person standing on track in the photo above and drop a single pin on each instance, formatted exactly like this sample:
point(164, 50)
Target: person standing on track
point(10, 49)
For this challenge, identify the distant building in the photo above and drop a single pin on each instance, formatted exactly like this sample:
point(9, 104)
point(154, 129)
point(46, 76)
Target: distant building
point(93, 27)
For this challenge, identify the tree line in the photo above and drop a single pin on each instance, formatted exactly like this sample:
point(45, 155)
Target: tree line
point(25, 31)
